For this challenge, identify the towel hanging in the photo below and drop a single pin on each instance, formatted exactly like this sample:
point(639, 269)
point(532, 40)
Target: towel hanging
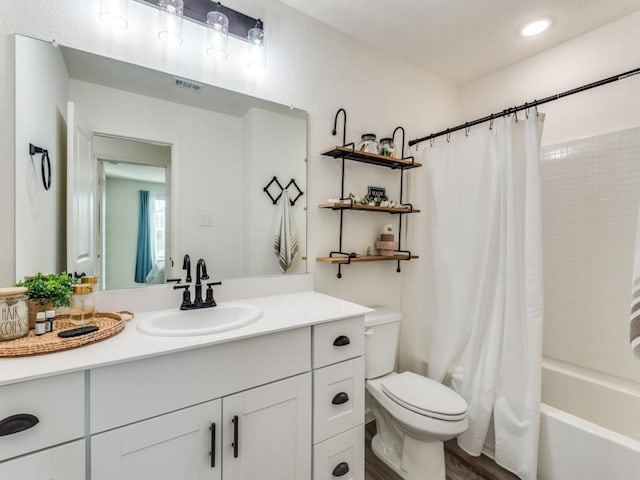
point(634, 320)
point(285, 243)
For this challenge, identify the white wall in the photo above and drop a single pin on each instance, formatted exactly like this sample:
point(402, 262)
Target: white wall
point(41, 120)
point(601, 53)
point(309, 65)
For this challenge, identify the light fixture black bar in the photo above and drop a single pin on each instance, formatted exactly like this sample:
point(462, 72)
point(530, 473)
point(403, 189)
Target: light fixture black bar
point(196, 11)
point(526, 106)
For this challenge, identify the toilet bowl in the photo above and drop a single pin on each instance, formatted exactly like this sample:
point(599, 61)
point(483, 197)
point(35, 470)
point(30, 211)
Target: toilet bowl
point(414, 414)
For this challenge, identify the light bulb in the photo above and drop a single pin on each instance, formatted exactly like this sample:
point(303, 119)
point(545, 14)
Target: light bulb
point(170, 21)
point(217, 34)
point(536, 27)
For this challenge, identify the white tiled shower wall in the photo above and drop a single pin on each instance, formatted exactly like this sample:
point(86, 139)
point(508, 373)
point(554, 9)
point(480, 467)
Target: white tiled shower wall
point(590, 195)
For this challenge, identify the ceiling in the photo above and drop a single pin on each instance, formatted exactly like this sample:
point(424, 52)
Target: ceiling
point(460, 40)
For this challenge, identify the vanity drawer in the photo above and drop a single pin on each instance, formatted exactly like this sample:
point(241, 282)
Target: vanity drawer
point(340, 457)
point(336, 341)
point(338, 398)
point(56, 402)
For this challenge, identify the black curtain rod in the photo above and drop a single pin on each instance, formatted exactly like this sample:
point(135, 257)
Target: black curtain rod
point(526, 106)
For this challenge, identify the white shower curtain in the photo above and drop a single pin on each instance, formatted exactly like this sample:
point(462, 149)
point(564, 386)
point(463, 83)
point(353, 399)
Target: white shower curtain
point(487, 266)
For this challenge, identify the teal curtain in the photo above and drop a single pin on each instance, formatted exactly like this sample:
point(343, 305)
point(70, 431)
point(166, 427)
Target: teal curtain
point(143, 255)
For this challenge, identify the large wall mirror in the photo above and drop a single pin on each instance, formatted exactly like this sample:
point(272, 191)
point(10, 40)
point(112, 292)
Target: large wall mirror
point(146, 167)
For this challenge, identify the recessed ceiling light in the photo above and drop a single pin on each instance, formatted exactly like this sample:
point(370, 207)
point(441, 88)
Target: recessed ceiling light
point(536, 27)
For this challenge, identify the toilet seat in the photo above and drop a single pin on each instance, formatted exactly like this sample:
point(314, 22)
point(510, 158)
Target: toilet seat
point(425, 396)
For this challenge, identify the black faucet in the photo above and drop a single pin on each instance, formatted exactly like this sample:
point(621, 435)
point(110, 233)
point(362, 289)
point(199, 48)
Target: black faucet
point(201, 274)
point(186, 265)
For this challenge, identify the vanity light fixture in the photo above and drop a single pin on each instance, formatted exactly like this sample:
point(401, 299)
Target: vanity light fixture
point(115, 12)
point(536, 27)
point(218, 33)
point(220, 23)
point(170, 21)
point(256, 55)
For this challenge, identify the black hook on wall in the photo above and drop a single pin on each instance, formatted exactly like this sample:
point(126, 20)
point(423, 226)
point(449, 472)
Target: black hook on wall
point(46, 172)
point(275, 199)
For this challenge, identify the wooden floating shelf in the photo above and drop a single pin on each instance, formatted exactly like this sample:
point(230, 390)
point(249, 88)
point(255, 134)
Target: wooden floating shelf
point(364, 258)
point(372, 158)
point(348, 206)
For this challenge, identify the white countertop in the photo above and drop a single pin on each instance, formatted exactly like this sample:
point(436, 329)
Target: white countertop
point(279, 312)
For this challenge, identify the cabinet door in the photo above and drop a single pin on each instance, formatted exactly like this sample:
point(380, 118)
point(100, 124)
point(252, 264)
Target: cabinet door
point(59, 463)
point(267, 432)
point(177, 445)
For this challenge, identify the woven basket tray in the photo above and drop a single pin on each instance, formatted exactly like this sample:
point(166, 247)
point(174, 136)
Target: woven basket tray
point(110, 324)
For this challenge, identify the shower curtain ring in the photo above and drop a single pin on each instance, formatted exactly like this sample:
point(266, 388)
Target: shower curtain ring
point(515, 114)
point(537, 114)
point(491, 123)
point(526, 110)
point(466, 131)
point(449, 137)
point(432, 142)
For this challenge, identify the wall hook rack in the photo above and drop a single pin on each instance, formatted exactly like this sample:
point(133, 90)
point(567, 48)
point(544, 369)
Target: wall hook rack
point(279, 186)
point(45, 164)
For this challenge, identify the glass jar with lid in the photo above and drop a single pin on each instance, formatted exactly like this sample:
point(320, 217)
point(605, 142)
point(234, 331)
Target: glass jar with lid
point(368, 143)
point(14, 315)
point(82, 309)
point(386, 148)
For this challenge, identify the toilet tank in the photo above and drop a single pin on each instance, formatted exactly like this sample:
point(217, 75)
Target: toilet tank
point(381, 328)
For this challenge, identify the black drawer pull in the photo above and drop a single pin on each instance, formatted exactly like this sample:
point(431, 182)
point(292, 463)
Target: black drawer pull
point(341, 341)
point(235, 422)
point(340, 398)
point(213, 445)
point(341, 469)
point(17, 423)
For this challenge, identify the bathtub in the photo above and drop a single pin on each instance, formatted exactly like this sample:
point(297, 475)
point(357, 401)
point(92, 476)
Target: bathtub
point(589, 425)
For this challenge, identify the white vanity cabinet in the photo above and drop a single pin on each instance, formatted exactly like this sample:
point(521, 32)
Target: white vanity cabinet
point(267, 431)
point(285, 404)
point(36, 416)
point(183, 444)
point(154, 418)
point(338, 400)
point(264, 433)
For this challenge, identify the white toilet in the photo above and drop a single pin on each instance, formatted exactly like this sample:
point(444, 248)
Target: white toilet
point(414, 414)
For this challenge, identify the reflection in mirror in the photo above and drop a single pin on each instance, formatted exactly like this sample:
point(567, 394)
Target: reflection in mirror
point(217, 149)
point(132, 196)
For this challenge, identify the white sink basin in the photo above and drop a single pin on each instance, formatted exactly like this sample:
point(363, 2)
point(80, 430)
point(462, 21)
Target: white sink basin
point(204, 321)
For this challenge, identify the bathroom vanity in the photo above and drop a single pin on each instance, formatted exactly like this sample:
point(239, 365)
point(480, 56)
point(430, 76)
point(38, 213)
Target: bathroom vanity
point(282, 398)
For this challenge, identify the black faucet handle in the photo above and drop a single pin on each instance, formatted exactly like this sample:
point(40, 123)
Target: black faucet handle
point(177, 280)
point(186, 296)
point(209, 298)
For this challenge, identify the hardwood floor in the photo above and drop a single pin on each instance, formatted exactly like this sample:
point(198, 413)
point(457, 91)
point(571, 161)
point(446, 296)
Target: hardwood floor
point(459, 464)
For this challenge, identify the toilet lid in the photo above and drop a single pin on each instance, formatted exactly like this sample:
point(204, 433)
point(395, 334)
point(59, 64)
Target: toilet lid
point(425, 396)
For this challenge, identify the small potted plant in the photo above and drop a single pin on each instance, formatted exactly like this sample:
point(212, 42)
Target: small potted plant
point(47, 292)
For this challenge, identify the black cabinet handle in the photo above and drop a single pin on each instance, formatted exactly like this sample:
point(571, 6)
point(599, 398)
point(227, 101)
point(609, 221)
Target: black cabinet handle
point(212, 428)
point(235, 422)
point(341, 341)
point(17, 423)
point(340, 398)
point(341, 469)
